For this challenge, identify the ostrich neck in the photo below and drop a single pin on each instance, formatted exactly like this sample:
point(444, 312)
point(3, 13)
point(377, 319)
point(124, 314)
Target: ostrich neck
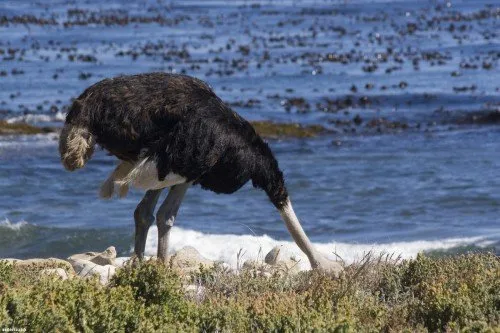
point(294, 227)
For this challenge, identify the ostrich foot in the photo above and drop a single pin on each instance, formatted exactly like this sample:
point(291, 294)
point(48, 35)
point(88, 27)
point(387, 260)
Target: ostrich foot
point(323, 264)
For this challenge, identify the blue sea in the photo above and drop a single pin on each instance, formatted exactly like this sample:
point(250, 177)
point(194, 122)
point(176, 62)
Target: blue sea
point(409, 92)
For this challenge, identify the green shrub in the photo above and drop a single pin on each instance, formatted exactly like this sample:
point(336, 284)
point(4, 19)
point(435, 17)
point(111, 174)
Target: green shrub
point(151, 282)
point(455, 294)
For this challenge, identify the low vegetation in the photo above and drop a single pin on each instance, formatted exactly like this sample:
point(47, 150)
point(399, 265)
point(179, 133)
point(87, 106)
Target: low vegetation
point(452, 294)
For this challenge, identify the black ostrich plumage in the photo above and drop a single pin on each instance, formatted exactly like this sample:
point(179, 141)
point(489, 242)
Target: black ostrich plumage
point(180, 122)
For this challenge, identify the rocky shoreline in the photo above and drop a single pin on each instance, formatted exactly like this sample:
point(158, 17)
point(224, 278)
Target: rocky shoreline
point(185, 262)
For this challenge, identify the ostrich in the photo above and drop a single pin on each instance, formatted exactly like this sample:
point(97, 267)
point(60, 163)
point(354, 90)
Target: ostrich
point(172, 131)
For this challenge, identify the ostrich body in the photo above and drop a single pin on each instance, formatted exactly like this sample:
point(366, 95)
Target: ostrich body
point(173, 131)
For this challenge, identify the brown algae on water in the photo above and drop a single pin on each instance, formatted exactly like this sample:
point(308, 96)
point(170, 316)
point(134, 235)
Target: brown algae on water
point(22, 128)
point(273, 130)
point(266, 129)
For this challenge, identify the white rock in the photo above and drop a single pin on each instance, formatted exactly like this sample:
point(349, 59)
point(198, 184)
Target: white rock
point(188, 259)
point(121, 261)
point(43, 263)
point(282, 261)
point(282, 267)
point(107, 257)
point(83, 256)
point(61, 273)
point(272, 256)
point(85, 268)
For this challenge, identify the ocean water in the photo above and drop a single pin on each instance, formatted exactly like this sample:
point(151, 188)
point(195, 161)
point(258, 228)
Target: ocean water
point(409, 92)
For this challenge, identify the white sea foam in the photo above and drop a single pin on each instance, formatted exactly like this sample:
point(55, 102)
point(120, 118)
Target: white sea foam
point(226, 247)
point(13, 226)
point(38, 118)
point(36, 140)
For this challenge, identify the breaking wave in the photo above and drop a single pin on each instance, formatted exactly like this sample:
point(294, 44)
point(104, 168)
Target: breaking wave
point(17, 226)
point(226, 247)
point(25, 240)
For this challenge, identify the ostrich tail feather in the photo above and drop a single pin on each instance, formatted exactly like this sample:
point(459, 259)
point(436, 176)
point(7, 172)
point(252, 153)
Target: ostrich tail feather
point(76, 146)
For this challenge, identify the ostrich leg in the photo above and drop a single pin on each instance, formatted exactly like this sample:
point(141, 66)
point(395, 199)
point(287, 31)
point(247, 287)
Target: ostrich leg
point(144, 218)
point(165, 217)
point(317, 260)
